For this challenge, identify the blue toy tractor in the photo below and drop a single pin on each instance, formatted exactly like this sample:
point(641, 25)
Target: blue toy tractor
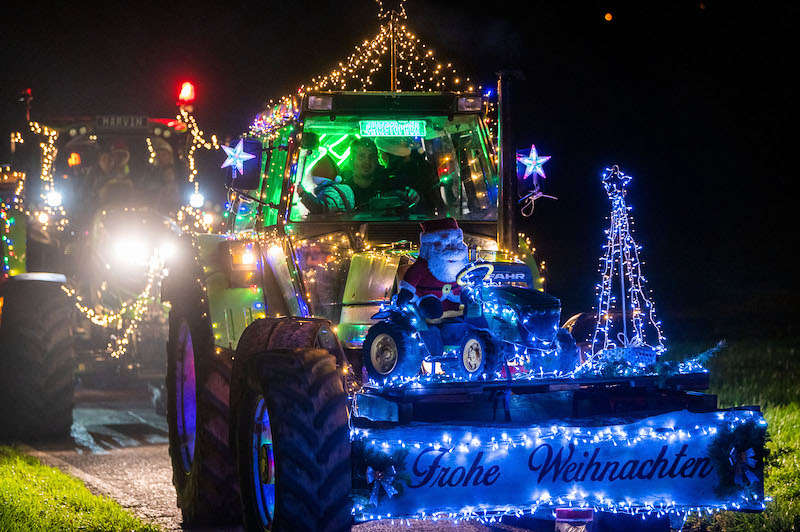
point(506, 329)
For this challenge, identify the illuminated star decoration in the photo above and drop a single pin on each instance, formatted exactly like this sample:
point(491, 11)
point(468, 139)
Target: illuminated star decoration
point(236, 157)
point(615, 181)
point(533, 163)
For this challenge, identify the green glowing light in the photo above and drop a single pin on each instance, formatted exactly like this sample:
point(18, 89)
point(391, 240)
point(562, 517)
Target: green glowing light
point(392, 128)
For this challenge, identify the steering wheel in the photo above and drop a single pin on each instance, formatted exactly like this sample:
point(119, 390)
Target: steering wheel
point(474, 273)
point(391, 201)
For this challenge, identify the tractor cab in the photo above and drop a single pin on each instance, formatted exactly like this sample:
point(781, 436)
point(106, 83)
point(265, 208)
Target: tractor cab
point(385, 158)
point(112, 161)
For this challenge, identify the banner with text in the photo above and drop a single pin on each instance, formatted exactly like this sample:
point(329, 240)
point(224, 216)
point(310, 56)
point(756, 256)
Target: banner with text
point(671, 462)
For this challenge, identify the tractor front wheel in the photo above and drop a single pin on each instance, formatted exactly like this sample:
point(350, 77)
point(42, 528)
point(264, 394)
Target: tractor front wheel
point(293, 442)
point(198, 397)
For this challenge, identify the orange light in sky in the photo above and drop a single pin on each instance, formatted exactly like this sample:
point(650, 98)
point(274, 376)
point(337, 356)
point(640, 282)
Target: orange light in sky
point(608, 17)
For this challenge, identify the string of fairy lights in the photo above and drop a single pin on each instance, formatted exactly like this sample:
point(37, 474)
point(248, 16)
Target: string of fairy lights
point(190, 216)
point(8, 219)
point(130, 314)
point(51, 211)
point(412, 61)
point(416, 62)
point(119, 343)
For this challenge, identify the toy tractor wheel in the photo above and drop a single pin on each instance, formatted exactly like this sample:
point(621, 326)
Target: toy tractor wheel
point(37, 362)
point(389, 350)
point(293, 442)
point(198, 390)
point(473, 356)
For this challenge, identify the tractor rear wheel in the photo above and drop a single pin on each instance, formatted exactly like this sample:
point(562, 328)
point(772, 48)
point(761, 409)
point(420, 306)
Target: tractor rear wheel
point(198, 415)
point(293, 442)
point(37, 362)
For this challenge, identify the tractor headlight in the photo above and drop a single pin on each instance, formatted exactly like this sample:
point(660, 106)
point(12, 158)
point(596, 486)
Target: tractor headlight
point(167, 250)
point(196, 200)
point(131, 250)
point(53, 198)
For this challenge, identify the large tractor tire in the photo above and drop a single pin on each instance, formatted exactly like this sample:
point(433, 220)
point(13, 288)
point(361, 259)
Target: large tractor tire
point(198, 414)
point(37, 361)
point(293, 442)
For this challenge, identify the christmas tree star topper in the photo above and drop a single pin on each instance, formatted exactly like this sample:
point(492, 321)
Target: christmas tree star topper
point(615, 181)
point(236, 157)
point(533, 163)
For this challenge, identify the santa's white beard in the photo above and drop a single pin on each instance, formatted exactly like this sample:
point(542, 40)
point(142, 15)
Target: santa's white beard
point(445, 270)
point(446, 265)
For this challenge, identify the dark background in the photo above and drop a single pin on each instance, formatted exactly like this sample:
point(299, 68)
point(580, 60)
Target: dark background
point(692, 99)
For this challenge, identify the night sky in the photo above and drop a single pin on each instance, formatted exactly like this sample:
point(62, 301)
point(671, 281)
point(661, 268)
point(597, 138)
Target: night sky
point(691, 98)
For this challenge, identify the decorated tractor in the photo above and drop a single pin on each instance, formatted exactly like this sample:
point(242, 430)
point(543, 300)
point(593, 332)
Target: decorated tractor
point(487, 320)
point(87, 220)
point(368, 339)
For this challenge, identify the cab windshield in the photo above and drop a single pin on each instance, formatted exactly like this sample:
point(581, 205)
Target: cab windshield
point(374, 169)
point(119, 170)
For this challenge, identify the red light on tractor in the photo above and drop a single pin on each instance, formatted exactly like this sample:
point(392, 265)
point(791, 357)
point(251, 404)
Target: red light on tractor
point(186, 94)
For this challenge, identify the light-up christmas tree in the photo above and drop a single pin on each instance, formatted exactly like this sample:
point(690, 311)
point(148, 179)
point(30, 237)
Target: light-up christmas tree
point(627, 328)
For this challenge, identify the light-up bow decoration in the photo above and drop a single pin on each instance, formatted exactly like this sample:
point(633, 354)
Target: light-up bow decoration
point(744, 465)
point(381, 479)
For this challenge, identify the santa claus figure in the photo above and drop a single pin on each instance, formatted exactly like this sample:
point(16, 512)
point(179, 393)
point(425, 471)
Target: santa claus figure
point(431, 281)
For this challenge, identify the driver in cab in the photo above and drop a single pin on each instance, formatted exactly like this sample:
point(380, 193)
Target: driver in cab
point(367, 177)
point(362, 179)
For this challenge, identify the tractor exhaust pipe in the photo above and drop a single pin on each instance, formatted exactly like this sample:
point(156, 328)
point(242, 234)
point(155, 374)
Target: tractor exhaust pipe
point(506, 216)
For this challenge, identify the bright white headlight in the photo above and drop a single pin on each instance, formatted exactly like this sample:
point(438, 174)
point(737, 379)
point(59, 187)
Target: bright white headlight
point(166, 250)
point(196, 200)
point(130, 250)
point(53, 199)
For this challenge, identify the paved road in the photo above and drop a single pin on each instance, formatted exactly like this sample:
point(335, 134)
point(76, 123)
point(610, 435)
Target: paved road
point(119, 448)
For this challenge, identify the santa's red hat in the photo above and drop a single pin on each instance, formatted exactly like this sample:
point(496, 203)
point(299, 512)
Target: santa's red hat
point(439, 225)
point(431, 227)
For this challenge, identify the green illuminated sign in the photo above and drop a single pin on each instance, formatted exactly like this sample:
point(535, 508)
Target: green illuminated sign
point(392, 128)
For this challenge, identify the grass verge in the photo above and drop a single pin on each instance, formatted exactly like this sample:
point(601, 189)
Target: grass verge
point(766, 373)
point(34, 497)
